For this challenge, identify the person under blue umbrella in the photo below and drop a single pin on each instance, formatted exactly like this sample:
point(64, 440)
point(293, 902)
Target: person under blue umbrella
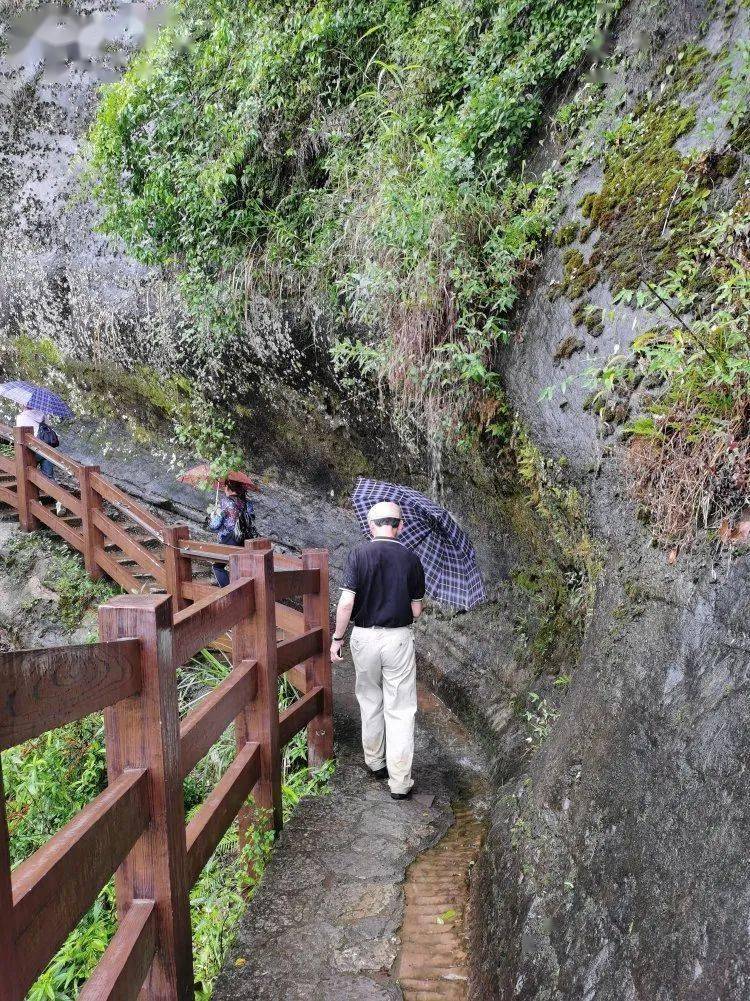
point(416, 547)
point(383, 592)
point(38, 403)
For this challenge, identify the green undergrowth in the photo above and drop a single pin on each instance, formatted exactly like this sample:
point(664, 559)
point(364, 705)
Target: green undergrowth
point(360, 165)
point(49, 779)
point(63, 572)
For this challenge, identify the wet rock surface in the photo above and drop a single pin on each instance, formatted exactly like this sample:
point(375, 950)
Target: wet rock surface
point(613, 866)
point(325, 921)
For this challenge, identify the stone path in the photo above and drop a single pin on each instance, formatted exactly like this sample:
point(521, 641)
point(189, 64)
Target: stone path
point(326, 921)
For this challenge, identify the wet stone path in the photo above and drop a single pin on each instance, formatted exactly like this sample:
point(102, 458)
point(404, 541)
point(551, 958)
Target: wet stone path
point(365, 897)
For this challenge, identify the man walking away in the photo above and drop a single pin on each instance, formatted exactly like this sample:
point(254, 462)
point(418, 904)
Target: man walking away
point(383, 594)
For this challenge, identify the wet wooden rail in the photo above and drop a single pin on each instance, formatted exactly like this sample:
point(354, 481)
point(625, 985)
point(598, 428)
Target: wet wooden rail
point(135, 829)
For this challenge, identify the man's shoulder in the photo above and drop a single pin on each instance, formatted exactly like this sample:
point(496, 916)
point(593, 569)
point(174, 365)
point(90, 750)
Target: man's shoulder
point(397, 552)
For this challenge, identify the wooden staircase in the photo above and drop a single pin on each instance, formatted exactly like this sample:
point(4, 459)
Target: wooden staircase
point(120, 537)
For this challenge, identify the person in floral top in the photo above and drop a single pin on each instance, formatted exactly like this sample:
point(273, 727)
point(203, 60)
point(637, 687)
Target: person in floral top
point(234, 508)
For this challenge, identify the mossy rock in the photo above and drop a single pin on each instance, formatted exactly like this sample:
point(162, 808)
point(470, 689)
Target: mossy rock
point(568, 347)
point(579, 275)
point(566, 234)
point(740, 138)
point(651, 199)
point(683, 72)
point(589, 316)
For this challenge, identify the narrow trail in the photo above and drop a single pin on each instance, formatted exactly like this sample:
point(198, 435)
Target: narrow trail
point(365, 898)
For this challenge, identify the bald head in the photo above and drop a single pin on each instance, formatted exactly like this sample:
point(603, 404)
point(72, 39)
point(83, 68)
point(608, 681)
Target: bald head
point(389, 529)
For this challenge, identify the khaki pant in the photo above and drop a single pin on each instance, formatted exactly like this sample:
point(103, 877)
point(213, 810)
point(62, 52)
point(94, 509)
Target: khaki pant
point(386, 688)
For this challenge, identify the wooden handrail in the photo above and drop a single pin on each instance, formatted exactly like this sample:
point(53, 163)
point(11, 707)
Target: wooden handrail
point(123, 967)
point(210, 823)
point(196, 626)
point(205, 724)
point(216, 551)
point(294, 583)
point(54, 888)
point(53, 488)
point(6, 431)
point(295, 651)
point(118, 573)
point(9, 497)
point(114, 533)
point(49, 518)
point(299, 714)
point(137, 824)
point(123, 502)
point(42, 689)
point(197, 549)
point(54, 455)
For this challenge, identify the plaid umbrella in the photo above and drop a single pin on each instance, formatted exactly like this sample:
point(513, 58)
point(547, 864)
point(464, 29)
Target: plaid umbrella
point(26, 394)
point(447, 555)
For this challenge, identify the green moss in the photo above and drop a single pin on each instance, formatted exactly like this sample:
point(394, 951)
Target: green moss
point(589, 316)
point(579, 276)
point(727, 165)
point(740, 138)
point(561, 572)
point(566, 234)
point(651, 198)
point(568, 347)
point(683, 72)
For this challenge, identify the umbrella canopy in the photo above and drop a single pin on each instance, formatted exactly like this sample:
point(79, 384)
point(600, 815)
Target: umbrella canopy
point(26, 394)
point(447, 555)
point(202, 476)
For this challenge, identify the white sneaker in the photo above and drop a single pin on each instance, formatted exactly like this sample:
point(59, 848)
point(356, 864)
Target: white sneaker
point(59, 509)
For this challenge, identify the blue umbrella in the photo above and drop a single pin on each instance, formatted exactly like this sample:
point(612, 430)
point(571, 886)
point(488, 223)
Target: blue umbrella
point(26, 394)
point(448, 557)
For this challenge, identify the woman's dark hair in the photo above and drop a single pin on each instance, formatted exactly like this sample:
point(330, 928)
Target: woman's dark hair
point(239, 489)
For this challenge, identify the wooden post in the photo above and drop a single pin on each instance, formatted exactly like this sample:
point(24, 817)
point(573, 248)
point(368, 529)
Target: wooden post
point(318, 668)
point(259, 545)
point(93, 537)
point(255, 639)
point(8, 983)
point(143, 732)
point(178, 568)
point(26, 490)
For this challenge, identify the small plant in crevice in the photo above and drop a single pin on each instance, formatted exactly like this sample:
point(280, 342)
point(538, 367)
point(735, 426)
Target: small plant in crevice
point(539, 717)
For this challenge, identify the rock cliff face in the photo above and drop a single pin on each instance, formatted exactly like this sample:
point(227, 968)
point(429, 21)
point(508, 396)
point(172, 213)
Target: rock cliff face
point(609, 684)
point(614, 868)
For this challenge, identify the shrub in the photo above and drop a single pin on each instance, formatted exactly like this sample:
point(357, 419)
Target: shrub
point(356, 162)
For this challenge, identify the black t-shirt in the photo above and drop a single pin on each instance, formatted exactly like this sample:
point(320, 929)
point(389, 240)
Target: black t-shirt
point(385, 577)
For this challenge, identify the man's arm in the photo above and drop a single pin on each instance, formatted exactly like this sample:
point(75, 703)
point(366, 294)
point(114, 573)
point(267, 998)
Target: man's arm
point(416, 588)
point(343, 615)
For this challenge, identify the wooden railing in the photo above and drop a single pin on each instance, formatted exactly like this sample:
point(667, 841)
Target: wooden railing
point(136, 827)
point(118, 536)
